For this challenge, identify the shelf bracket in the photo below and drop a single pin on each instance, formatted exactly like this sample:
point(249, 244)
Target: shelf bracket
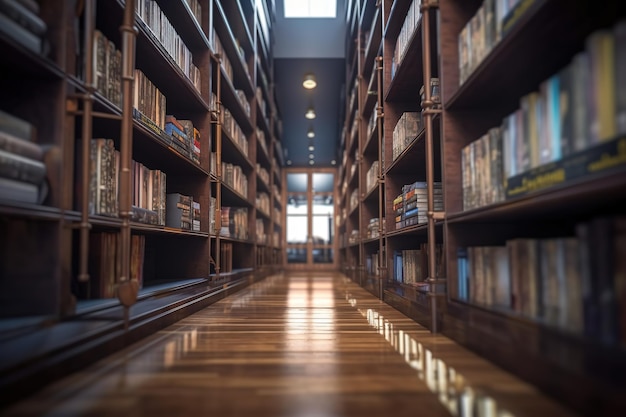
point(437, 215)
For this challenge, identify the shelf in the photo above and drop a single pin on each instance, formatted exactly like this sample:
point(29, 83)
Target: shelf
point(236, 21)
point(371, 194)
point(234, 240)
point(540, 41)
point(25, 63)
point(373, 45)
point(371, 241)
point(262, 157)
point(155, 150)
point(418, 229)
point(414, 154)
point(263, 214)
point(233, 198)
point(576, 199)
point(261, 120)
point(186, 24)
point(409, 75)
point(29, 211)
point(371, 143)
point(395, 20)
point(154, 61)
point(166, 231)
point(235, 153)
point(261, 185)
point(227, 38)
point(230, 101)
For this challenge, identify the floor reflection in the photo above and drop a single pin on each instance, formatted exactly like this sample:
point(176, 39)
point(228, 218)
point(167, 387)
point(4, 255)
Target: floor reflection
point(455, 394)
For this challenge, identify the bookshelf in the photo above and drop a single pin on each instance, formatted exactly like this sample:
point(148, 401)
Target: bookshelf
point(195, 133)
point(554, 203)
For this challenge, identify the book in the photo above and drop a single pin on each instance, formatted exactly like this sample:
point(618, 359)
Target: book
point(601, 48)
point(13, 144)
point(23, 16)
point(15, 190)
point(17, 127)
point(20, 168)
point(20, 34)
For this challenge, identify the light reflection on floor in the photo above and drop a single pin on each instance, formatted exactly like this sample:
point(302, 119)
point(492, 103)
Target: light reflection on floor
point(452, 389)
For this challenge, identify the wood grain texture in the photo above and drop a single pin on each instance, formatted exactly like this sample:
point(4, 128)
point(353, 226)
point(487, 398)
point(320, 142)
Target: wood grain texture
point(292, 345)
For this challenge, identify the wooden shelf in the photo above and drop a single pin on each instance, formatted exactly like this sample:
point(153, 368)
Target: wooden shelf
point(233, 198)
point(373, 44)
point(189, 29)
point(26, 64)
point(230, 100)
point(235, 153)
point(29, 211)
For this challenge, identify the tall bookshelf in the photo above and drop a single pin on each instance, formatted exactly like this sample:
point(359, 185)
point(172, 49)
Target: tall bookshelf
point(68, 246)
point(392, 137)
point(534, 225)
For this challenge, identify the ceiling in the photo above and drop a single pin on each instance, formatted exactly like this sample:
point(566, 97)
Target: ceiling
point(310, 46)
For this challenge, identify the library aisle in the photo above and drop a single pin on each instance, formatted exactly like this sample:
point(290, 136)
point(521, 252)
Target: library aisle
point(295, 344)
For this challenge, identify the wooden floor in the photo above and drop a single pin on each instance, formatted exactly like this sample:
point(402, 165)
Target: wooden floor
point(300, 345)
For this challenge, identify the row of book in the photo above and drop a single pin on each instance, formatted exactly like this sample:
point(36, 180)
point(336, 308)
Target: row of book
point(262, 173)
point(233, 175)
point(196, 9)
point(107, 68)
point(261, 237)
point(578, 107)
point(411, 22)
point(354, 199)
point(479, 36)
point(23, 172)
point(405, 132)
point(150, 12)
point(410, 266)
point(20, 20)
point(223, 57)
point(371, 178)
point(263, 202)
point(183, 212)
point(260, 137)
point(105, 259)
point(148, 186)
point(576, 283)
point(373, 227)
point(185, 135)
point(371, 123)
point(411, 206)
point(482, 171)
point(234, 222)
point(149, 100)
point(372, 264)
point(243, 100)
point(232, 128)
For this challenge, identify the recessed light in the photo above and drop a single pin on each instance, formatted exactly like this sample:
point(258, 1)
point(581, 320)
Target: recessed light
point(311, 148)
point(309, 81)
point(289, 162)
point(311, 162)
point(310, 113)
point(333, 162)
point(310, 133)
point(311, 156)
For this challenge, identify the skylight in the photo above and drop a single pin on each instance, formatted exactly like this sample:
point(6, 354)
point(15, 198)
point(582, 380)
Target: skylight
point(311, 8)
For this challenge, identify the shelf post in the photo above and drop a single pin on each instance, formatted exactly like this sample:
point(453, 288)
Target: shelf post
point(85, 226)
point(428, 106)
point(382, 264)
point(127, 288)
point(218, 168)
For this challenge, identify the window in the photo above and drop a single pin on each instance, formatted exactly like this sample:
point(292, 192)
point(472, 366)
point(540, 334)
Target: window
point(311, 8)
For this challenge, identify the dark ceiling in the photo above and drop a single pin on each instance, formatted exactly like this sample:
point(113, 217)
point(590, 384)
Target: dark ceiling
point(318, 46)
point(294, 100)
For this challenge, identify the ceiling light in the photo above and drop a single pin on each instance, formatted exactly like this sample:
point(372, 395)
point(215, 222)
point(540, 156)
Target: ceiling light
point(311, 156)
point(289, 162)
point(309, 81)
point(311, 162)
point(311, 148)
point(333, 162)
point(310, 133)
point(310, 113)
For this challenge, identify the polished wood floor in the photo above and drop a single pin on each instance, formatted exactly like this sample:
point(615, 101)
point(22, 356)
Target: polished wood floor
point(298, 345)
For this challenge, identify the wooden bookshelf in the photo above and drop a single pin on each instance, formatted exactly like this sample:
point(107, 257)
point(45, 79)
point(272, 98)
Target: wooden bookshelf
point(581, 367)
point(57, 91)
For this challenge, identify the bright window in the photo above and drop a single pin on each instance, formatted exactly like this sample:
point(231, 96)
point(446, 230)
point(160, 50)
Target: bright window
point(311, 8)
